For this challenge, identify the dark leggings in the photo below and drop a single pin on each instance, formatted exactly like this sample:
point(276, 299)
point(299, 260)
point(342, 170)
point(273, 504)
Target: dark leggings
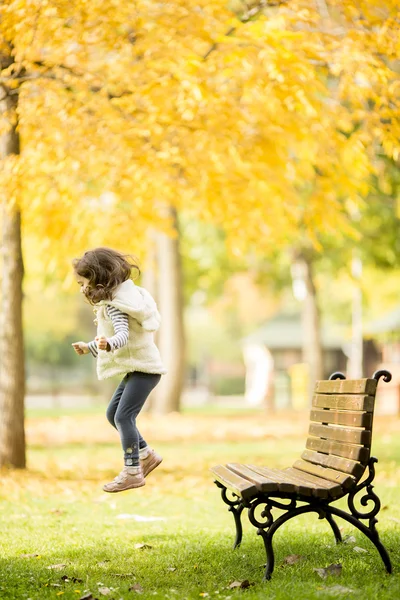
point(124, 407)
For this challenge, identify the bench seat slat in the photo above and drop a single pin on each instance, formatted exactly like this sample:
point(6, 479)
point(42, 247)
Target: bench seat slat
point(238, 485)
point(340, 434)
point(359, 453)
point(333, 489)
point(344, 402)
point(343, 479)
point(277, 480)
point(285, 484)
point(315, 489)
point(351, 418)
point(334, 462)
point(346, 386)
point(261, 482)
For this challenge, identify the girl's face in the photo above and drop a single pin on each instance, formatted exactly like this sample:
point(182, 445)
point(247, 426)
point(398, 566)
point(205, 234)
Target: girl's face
point(83, 282)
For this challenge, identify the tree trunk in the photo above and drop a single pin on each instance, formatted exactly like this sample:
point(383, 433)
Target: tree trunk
point(312, 346)
point(171, 334)
point(12, 368)
point(355, 363)
point(150, 282)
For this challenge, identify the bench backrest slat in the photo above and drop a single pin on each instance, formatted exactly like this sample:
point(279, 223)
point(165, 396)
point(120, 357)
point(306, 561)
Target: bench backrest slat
point(340, 432)
point(353, 451)
point(344, 402)
point(351, 418)
point(334, 462)
point(346, 386)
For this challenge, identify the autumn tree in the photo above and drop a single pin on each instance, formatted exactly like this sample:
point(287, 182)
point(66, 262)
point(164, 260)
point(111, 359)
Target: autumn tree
point(58, 130)
point(264, 120)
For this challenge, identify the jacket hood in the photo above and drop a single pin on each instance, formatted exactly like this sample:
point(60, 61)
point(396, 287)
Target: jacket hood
point(136, 302)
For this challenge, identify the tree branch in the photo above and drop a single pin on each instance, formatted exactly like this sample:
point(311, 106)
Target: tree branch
point(22, 77)
point(246, 17)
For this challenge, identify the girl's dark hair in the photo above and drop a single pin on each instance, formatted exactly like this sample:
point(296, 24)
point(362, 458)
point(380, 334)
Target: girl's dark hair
point(105, 269)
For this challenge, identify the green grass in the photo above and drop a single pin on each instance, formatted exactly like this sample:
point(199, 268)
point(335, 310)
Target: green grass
point(57, 513)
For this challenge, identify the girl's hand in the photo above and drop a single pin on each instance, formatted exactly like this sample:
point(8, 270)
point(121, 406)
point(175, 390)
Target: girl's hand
point(81, 347)
point(102, 343)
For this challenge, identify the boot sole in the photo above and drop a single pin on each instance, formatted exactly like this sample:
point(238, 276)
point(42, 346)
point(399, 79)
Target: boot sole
point(129, 487)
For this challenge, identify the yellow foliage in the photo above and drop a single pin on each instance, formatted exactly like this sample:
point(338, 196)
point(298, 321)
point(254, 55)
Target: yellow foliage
point(269, 126)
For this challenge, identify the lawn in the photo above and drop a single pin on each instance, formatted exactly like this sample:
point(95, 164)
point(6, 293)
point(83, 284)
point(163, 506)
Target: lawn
point(62, 537)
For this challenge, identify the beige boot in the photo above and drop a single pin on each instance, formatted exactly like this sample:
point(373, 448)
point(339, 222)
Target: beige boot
point(151, 461)
point(128, 479)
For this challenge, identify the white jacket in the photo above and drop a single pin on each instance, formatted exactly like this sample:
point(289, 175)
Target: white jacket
point(140, 353)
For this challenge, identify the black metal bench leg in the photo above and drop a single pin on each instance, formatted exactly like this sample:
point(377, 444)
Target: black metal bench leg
point(237, 513)
point(269, 551)
point(266, 527)
point(355, 517)
point(371, 534)
point(236, 507)
point(335, 528)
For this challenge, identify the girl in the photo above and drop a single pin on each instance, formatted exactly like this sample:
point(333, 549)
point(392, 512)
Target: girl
point(126, 317)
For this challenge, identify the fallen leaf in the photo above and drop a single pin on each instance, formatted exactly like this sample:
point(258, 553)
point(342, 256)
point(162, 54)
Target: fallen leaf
point(28, 555)
point(57, 567)
point(142, 546)
point(349, 539)
point(359, 549)
point(172, 569)
point(243, 585)
point(104, 591)
point(136, 587)
point(234, 584)
point(335, 569)
point(321, 572)
point(292, 559)
point(88, 597)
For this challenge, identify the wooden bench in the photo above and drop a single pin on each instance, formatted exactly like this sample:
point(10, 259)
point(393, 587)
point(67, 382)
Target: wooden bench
point(336, 457)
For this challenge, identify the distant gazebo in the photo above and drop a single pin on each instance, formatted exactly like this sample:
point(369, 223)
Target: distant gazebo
point(273, 359)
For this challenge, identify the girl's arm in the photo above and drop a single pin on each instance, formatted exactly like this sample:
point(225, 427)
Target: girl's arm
point(121, 328)
point(93, 348)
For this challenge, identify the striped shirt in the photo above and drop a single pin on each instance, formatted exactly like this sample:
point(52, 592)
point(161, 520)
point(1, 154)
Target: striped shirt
point(121, 329)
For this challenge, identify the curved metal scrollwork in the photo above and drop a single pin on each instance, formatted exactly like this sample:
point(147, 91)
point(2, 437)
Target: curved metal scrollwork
point(387, 376)
point(234, 501)
point(266, 514)
point(368, 497)
point(337, 375)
